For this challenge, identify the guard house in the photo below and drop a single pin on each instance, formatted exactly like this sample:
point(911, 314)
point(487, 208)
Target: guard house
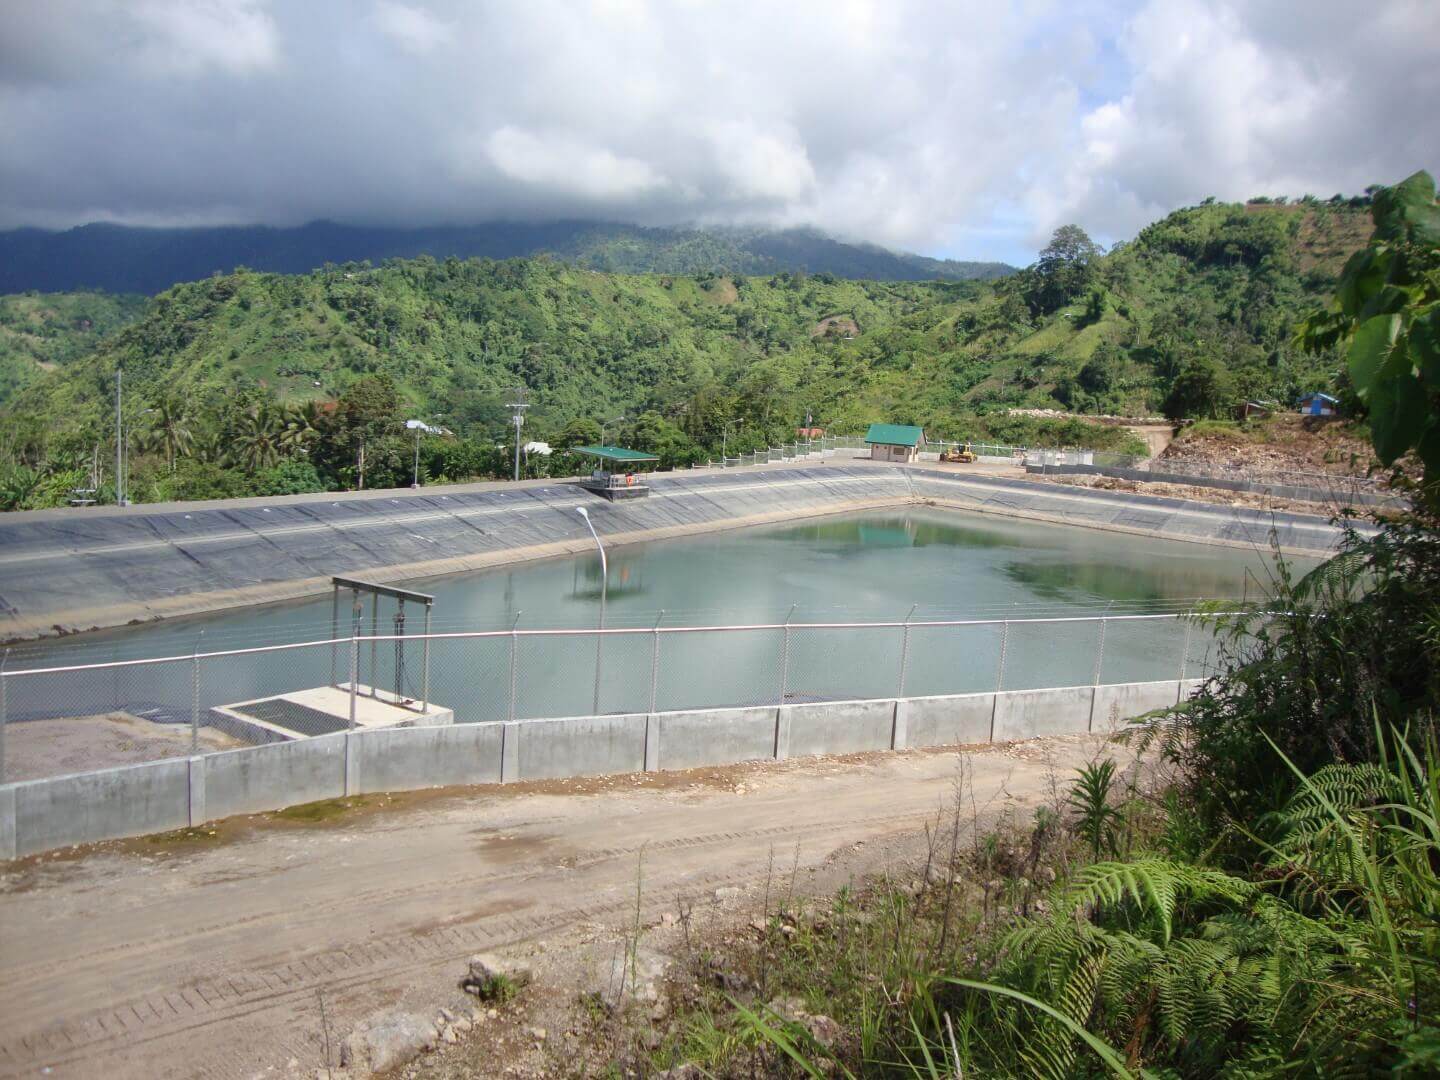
point(894, 442)
point(616, 474)
point(1317, 404)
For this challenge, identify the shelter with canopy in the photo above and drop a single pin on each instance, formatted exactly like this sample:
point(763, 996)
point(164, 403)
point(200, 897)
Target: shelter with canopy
point(616, 474)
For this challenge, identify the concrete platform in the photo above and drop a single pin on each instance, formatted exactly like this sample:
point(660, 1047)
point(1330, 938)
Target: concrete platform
point(323, 710)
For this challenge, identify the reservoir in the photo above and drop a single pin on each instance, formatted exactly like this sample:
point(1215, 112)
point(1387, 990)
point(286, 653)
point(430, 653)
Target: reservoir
point(888, 565)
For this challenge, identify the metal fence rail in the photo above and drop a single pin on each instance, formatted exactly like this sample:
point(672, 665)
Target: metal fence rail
point(488, 675)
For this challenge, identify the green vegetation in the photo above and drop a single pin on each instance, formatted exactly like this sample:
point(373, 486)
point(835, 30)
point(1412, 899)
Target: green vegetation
point(1262, 902)
point(42, 332)
point(1197, 313)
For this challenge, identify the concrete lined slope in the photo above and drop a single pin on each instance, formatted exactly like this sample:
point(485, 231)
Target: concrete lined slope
point(1171, 519)
point(80, 569)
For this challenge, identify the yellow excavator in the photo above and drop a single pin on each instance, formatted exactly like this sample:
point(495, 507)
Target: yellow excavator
point(964, 456)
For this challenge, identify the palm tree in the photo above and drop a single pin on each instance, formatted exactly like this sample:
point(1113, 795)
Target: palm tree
point(172, 428)
point(259, 438)
point(302, 426)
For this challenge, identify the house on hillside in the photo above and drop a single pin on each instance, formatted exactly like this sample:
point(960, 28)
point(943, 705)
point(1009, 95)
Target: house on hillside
point(1318, 404)
point(894, 442)
point(1255, 409)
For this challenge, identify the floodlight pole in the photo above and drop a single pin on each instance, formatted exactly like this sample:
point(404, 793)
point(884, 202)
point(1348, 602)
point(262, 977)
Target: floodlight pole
point(604, 588)
point(119, 444)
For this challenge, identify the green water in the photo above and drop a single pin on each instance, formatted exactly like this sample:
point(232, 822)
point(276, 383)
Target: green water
point(862, 567)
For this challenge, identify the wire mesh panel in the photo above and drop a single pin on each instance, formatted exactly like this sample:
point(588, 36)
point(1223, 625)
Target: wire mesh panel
point(1141, 650)
point(706, 668)
point(470, 675)
point(840, 663)
point(1041, 654)
point(960, 659)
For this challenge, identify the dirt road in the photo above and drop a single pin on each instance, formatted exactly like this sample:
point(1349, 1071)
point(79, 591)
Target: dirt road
point(205, 955)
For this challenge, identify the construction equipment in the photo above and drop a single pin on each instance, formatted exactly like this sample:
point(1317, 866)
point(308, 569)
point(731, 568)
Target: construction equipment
point(964, 456)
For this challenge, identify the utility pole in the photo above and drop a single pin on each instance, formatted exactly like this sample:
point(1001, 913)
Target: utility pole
point(119, 445)
point(362, 463)
point(518, 419)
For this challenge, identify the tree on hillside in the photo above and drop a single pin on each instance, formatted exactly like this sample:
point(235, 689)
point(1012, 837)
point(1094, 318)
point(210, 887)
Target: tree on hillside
point(1200, 390)
point(1064, 270)
point(1388, 312)
point(581, 431)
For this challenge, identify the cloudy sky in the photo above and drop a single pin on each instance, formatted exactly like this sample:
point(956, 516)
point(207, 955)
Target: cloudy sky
point(951, 127)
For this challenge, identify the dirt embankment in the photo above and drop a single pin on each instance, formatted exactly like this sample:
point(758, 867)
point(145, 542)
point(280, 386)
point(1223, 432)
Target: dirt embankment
point(1287, 443)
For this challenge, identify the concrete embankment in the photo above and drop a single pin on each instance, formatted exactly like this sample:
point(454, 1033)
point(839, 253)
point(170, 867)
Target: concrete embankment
point(42, 815)
point(69, 570)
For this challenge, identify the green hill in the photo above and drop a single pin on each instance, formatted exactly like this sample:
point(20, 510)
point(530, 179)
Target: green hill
point(1195, 314)
point(41, 332)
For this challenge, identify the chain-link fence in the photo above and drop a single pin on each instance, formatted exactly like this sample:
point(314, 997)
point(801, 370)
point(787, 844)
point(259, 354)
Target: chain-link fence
point(855, 446)
point(75, 718)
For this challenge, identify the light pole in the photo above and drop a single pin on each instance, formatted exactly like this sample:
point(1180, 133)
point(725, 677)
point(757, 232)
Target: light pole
point(604, 588)
point(606, 423)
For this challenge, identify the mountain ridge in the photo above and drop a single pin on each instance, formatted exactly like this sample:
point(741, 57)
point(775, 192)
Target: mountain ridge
point(134, 259)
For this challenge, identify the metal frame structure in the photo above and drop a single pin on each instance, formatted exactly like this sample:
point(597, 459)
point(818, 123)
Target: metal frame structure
point(357, 615)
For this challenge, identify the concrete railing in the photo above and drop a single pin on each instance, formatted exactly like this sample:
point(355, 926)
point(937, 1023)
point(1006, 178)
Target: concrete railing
point(42, 815)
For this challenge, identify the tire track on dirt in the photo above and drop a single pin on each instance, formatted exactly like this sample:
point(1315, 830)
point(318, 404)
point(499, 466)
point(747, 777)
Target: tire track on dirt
point(174, 1012)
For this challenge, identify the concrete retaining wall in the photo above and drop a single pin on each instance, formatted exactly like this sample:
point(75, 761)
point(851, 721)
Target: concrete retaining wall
point(577, 746)
point(40, 815)
point(275, 775)
point(103, 805)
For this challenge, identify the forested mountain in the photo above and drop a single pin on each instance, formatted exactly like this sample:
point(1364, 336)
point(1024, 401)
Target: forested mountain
point(1194, 315)
point(138, 260)
point(39, 333)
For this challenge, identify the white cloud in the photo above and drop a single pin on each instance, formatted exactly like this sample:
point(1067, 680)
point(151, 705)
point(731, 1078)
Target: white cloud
point(568, 166)
point(414, 29)
point(974, 128)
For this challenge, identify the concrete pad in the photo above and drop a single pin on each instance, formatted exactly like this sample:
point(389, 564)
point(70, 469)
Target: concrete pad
point(951, 720)
point(579, 746)
point(371, 712)
point(716, 736)
point(1028, 714)
point(840, 727)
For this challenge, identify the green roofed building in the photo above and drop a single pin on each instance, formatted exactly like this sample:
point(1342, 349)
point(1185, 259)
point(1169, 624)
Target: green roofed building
point(894, 442)
point(614, 475)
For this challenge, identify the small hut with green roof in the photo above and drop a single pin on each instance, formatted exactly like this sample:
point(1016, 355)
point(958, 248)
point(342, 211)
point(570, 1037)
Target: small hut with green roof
point(617, 473)
point(895, 442)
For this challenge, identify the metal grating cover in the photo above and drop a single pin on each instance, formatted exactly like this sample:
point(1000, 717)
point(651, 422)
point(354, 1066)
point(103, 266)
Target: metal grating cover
point(301, 719)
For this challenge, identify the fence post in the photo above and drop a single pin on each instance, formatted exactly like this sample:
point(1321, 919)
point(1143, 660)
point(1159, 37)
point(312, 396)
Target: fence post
point(1000, 669)
point(334, 628)
point(905, 648)
point(354, 674)
point(785, 657)
point(425, 666)
point(655, 661)
point(514, 644)
point(1185, 648)
point(4, 712)
point(374, 645)
point(1100, 652)
point(195, 698)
